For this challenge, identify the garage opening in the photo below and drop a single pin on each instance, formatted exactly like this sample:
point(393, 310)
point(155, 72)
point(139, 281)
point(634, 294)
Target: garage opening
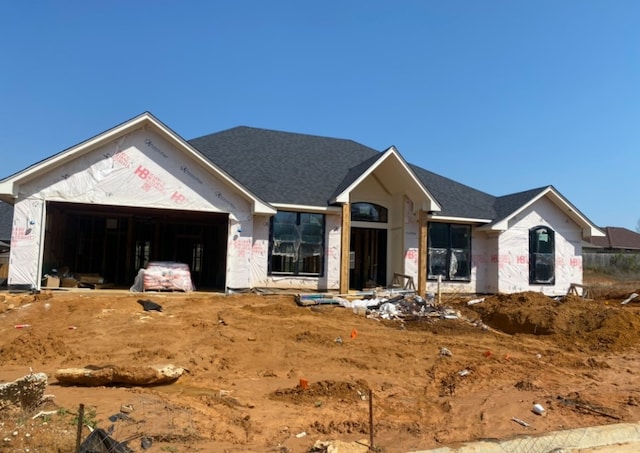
point(117, 241)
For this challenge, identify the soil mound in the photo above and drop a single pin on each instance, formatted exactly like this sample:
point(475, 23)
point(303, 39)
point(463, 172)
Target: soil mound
point(572, 320)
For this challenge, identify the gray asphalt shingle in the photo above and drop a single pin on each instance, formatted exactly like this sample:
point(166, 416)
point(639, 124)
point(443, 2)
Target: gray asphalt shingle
point(283, 167)
point(291, 168)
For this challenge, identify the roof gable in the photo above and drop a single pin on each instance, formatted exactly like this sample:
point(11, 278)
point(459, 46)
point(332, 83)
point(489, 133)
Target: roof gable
point(397, 176)
point(511, 205)
point(9, 186)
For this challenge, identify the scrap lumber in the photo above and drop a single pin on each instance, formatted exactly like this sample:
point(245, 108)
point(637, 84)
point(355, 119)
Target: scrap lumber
point(573, 290)
point(306, 300)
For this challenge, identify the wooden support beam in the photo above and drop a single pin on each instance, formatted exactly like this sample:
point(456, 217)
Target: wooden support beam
point(345, 243)
point(422, 253)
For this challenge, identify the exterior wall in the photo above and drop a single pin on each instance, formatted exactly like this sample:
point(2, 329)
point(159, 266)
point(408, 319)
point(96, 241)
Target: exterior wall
point(492, 263)
point(26, 238)
point(513, 252)
point(411, 239)
point(239, 253)
point(480, 259)
point(138, 169)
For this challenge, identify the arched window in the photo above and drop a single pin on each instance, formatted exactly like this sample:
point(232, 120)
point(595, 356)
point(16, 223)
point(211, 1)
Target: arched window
point(368, 212)
point(542, 256)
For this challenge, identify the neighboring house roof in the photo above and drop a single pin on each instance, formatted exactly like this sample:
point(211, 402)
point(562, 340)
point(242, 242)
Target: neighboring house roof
point(618, 238)
point(6, 221)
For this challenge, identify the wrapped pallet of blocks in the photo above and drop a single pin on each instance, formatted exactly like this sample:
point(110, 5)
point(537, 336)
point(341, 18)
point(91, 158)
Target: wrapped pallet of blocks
point(164, 276)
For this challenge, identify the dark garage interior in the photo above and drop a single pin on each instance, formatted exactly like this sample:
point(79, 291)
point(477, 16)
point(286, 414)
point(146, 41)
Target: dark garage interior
point(117, 241)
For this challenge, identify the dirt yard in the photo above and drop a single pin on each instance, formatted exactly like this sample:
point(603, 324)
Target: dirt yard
point(435, 381)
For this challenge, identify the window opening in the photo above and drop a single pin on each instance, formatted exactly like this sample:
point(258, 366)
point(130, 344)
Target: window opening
point(143, 250)
point(542, 256)
point(449, 251)
point(368, 212)
point(196, 260)
point(297, 243)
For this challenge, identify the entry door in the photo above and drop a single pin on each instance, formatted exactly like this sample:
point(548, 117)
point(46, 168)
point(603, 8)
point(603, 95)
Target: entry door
point(368, 258)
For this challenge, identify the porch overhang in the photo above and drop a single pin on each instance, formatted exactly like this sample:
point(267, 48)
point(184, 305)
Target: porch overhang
point(396, 177)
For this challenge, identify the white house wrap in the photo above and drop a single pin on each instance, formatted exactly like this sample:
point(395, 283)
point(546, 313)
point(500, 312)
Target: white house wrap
point(252, 208)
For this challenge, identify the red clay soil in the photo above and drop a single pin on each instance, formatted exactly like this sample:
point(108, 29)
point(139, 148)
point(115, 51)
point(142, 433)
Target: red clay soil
point(248, 358)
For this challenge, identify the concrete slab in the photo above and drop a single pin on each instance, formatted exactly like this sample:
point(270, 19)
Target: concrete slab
point(619, 438)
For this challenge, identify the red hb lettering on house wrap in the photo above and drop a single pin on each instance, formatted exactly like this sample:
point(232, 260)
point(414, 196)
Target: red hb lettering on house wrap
point(150, 180)
point(142, 172)
point(122, 158)
point(522, 259)
point(178, 198)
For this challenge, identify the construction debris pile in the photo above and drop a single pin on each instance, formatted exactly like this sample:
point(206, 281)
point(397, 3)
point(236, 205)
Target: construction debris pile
point(384, 304)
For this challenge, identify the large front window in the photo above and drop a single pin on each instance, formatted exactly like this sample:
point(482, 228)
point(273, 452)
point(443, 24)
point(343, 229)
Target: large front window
point(542, 256)
point(449, 251)
point(296, 243)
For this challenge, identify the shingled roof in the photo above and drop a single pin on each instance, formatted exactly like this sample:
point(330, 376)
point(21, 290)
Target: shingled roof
point(618, 238)
point(283, 167)
point(291, 168)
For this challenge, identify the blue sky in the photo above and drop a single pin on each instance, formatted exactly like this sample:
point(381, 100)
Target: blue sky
point(503, 96)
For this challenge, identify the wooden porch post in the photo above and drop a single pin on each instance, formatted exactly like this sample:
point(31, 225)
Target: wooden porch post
point(422, 254)
point(345, 242)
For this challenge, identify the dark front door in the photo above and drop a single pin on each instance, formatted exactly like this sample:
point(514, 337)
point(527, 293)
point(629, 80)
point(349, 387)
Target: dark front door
point(368, 264)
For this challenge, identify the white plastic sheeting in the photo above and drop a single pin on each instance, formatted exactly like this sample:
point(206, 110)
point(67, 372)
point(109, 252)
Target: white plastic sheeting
point(26, 236)
point(411, 240)
point(481, 269)
point(239, 253)
point(163, 276)
point(139, 169)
